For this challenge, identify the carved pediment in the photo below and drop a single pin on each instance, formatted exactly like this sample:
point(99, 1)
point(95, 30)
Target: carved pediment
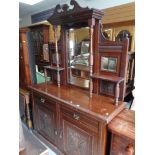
point(64, 9)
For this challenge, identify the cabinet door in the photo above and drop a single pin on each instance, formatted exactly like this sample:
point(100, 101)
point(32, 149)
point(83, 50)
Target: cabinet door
point(45, 121)
point(76, 138)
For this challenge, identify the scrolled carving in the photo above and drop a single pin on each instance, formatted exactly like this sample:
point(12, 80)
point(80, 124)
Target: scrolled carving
point(65, 8)
point(77, 7)
point(57, 9)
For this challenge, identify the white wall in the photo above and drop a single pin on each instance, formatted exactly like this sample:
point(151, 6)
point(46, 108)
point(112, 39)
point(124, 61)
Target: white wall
point(98, 4)
point(25, 21)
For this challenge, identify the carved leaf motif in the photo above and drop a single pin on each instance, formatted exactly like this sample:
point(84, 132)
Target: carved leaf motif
point(77, 143)
point(45, 123)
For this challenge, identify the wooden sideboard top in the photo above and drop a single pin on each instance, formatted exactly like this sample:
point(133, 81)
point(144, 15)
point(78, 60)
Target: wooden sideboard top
point(124, 124)
point(101, 107)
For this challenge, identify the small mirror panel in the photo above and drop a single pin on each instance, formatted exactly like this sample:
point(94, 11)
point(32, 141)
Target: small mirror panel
point(109, 64)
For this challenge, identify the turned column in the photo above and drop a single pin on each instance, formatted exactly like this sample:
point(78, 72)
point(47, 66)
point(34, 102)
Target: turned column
point(116, 93)
point(55, 28)
point(29, 122)
point(91, 23)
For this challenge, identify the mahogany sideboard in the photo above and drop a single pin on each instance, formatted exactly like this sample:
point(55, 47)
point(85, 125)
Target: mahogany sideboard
point(70, 120)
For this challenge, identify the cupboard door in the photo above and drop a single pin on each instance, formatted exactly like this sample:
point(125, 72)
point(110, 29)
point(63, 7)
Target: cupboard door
point(75, 138)
point(45, 122)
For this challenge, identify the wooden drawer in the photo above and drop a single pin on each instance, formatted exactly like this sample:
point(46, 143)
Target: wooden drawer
point(80, 118)
point(122, 146)
point(44, 101)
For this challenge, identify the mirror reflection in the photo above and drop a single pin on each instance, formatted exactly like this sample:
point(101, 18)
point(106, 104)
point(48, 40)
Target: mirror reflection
point(109, 64)
point(78, 57)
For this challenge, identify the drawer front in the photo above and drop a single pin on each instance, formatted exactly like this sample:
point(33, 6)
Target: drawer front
point(81, 118)
point(122, 146)
point(44, 101)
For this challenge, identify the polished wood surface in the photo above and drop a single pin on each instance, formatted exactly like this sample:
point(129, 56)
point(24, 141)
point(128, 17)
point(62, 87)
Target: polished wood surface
point(109, 78)
point(72, 121)
point(122, 128)
point(24, 66)
point(100, 106)
point(119, 24)
point(124, 124)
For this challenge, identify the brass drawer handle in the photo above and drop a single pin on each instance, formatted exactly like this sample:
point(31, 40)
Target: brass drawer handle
point(42, 100)
point(130, 149)
point(76, 116)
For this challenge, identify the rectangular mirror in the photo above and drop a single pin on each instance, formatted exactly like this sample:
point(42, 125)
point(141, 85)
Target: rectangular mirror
point(78, 57)
point(109, 64)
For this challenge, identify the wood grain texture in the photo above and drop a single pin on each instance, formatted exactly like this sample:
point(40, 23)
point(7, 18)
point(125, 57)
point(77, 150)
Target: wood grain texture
point(67, 126)
point(122, 128)
point(124, 124)
point(119, 13)
point(100, 107)
point(24, 66)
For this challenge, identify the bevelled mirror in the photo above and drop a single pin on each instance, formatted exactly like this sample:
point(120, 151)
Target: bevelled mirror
point(109, 64)
point(78, 57)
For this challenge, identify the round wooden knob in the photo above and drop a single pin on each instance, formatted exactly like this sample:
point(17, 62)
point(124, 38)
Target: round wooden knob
point(129, 149)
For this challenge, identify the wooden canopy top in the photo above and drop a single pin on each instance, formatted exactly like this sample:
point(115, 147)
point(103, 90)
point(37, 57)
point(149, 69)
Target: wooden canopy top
point(74, 17)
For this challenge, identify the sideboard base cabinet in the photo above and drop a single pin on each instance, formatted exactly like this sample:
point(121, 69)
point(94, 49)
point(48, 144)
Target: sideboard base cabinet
point(70, 121)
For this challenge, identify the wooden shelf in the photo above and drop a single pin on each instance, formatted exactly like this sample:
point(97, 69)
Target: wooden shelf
point(108, 78)
point(54, 68)
point(81, 67)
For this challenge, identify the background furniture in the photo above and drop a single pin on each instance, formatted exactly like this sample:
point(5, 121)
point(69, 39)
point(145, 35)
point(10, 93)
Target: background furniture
point(40, 39)
point(24, 104)
point(122, 128)
point(24, 68)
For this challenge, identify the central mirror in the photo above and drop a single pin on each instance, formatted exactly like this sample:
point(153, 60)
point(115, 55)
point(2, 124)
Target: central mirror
point(78, 57)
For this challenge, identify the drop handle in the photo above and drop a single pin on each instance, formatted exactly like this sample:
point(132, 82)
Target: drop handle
point(76, 116)
point(42, 100)
point(129, 149)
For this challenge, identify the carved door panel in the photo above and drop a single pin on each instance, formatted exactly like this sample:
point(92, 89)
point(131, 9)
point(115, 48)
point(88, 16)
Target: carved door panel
point(45, 121)
point(76, 139)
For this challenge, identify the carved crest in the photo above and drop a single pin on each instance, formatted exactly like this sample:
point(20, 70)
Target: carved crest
point(65, 8)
